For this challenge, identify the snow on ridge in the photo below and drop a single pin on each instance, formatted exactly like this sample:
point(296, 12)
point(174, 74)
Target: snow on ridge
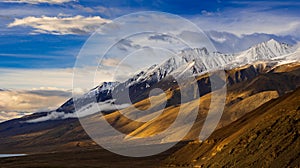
point(105, 86)
point(87, 110)
point(205, 61)
point(198, 60)
point(108, 85)
point(265, 51)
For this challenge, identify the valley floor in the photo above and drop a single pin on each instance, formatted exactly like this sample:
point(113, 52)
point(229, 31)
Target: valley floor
point(85, 157)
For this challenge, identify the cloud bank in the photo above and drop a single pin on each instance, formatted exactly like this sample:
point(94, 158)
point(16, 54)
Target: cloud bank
point(23, 102)
point(249, 21)
point(36, 78)
point(87, 110)
point(7, 115)
point(61, 25)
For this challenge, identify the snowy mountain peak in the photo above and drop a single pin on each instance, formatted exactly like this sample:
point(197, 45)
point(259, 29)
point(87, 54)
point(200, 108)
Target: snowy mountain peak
point(202, 60)
point(275, 44)
point(273, 41)
point(274, 47)
point(196, 60)
point(102, 92)
point(265, 51)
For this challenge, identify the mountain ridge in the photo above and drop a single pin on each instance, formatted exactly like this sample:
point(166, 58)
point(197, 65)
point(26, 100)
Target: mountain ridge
point(202, 61)
point(272, 131)
point(198, 61)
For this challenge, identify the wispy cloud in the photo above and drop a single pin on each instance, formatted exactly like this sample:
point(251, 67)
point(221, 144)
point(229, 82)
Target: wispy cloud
point(208, 13)
point(36, 78)
point(21, 102)
point(24, 91)
point(39, 1)
point(51, 79)
point(112, 62)
point(26, 56)
point(266, 3)
point(87, 110)
point(7, 115)
point(61, 25)
point(249, 20)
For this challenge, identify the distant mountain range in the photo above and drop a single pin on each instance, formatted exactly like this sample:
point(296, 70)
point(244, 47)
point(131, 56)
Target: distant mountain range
point(261, 115)
point(226, 42)
point(197, 60)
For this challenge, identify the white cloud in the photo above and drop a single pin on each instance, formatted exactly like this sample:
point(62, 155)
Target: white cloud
point(25, 91)
point(49, 79)
point(220, 40)
point(7, 115)
point(87, 110)
point(27, 101)
point(207, 13)
point(249, 21)
point(112, 62)
point(17, 103)
point(36, 78)
point(61, 25)
point(39, 1)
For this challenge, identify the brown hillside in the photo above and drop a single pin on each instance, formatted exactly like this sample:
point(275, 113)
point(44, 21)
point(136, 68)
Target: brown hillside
point(265, 137)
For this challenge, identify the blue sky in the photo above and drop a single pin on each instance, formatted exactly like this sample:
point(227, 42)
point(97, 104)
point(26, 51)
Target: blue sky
point(29, 39)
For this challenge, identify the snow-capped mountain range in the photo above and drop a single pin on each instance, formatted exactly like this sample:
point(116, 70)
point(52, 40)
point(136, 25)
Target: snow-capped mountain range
point(197, 60)
point(264, 51)
point(204, 61)
point(226, 42)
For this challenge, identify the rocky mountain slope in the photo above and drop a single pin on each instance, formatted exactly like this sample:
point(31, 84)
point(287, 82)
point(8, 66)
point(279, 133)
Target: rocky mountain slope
point(262, 100)
point(198, 61)
point(260, 118)
point(266, 137)
point(256, 87)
